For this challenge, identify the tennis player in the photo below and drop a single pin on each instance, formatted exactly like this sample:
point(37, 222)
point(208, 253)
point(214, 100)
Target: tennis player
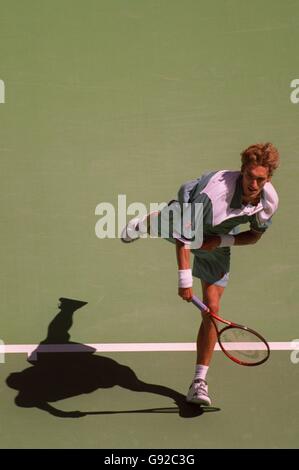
point(229, 198)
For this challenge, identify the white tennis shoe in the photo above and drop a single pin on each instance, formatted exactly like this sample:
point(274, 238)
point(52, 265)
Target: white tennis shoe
point(138, 227)
point(198, 393)
point(131, 232)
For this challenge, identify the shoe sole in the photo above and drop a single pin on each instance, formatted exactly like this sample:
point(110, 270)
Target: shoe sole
point(194, 401)
point(126, 241)
point(129, 241)
point(124, 237)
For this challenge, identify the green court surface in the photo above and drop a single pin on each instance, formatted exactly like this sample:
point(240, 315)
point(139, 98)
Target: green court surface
point(110, 97)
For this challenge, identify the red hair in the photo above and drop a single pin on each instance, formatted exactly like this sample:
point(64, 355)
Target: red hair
point(261, 154)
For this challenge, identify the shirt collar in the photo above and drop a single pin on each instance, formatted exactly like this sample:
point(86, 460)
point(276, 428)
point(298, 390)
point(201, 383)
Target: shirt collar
point(236, 202)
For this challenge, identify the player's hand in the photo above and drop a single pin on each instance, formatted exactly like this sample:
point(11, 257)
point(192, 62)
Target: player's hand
point(210, 243)
point(186, 293)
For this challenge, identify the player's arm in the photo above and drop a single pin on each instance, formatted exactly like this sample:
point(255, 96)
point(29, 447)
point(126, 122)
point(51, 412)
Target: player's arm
point(247, 238)
point(185, 273)
point(217, 241)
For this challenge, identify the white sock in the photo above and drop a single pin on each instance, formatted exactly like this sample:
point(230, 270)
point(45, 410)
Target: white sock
point(201, 372)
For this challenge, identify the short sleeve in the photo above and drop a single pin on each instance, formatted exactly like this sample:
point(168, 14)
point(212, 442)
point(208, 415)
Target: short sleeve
point(190, 190)
point(185, 190)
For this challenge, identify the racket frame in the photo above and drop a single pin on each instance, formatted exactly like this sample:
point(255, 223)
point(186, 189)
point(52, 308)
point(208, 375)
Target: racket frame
point(229, 324)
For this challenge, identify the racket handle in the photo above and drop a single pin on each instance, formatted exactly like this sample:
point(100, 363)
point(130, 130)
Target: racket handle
point(199, 304)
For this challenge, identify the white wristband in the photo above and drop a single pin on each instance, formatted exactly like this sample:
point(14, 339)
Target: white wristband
point(226, 240)
point(185, 278)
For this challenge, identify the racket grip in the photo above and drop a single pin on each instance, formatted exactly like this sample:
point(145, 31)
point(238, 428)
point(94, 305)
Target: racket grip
point(199, 304)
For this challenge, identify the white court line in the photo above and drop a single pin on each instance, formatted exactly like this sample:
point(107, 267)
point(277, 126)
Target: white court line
point(133, 347)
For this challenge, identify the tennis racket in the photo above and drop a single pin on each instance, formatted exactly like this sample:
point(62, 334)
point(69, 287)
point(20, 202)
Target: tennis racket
point(239, 343)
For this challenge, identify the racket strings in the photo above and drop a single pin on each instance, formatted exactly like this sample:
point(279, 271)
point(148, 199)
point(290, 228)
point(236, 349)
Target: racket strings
point(244, 346)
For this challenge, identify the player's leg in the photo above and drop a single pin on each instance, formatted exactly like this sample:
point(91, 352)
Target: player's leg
point(206, 340)
point(207, 336)
point(163, 223)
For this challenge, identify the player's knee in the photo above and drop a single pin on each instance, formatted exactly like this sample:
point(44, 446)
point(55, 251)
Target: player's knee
point(213, 307)
point(207, 319)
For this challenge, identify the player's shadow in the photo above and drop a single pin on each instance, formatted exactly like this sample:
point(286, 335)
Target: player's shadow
point(56, 376)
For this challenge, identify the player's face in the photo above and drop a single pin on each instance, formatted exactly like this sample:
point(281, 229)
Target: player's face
point(254, 179)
